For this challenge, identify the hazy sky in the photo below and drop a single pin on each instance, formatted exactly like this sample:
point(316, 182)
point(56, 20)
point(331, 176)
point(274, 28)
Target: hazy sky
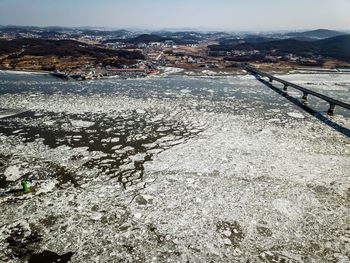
point(158, 14)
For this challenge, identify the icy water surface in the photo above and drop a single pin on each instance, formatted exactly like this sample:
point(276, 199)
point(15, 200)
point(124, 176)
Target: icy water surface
point(173, 169)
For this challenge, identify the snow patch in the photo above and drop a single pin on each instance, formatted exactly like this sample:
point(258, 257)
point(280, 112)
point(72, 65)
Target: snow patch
point(296, 115)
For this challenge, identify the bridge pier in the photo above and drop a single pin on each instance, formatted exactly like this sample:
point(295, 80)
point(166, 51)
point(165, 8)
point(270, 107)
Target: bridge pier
point(305, 96)
point(331, 109)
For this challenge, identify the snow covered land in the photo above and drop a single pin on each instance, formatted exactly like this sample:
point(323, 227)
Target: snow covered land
point(173, 169)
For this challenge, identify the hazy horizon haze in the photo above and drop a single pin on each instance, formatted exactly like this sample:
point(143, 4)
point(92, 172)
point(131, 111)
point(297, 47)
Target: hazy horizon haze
point(250, 15)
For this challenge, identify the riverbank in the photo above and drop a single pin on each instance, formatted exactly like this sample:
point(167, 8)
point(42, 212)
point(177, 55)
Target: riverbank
point(169, 71)
point(14, 71)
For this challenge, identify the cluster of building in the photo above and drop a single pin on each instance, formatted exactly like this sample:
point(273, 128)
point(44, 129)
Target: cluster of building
point(88, 72)
point(251, 55)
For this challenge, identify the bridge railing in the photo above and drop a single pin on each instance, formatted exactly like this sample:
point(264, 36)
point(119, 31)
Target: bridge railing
point(332, 102)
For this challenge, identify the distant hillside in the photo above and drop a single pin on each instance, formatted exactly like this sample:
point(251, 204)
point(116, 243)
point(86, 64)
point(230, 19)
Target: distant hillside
point(178, 38)
point(336, 47)
point(115, 33)
point(193, 37)
point(247, 39)
point(282, 46)
point(61, 48)
point(144, 38)
point(229, 41)
point(152, 38)
point(147, 38)
point(317, 34)
point(188, 35)
point(257, 39)
point(54, 32)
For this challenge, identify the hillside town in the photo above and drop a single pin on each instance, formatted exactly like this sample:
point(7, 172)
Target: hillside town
point(90, 54)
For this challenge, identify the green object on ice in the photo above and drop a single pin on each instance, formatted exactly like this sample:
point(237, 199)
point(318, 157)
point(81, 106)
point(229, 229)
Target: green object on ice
point(25, 186)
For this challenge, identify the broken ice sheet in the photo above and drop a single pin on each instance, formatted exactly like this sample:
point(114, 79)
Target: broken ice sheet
point(170, 169)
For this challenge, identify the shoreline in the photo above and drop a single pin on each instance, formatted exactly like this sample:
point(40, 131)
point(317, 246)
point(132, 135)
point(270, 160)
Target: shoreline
point(174, 71)
point(25, 71)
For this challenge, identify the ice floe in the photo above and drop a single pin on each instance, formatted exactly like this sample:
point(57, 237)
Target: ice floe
point(141, 171)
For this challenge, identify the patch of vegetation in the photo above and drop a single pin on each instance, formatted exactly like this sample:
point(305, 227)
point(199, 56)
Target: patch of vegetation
point(62, 48)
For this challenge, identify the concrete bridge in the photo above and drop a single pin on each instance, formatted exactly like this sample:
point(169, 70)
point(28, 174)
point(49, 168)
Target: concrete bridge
point(306, 92)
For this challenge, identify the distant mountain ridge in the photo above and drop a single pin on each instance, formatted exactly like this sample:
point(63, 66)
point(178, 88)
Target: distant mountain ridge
point(317, 34)
point(152, 38)
point(336, 47)
point(148, 38)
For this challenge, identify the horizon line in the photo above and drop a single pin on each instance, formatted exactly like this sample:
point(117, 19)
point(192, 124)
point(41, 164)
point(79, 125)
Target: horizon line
point(189, 28)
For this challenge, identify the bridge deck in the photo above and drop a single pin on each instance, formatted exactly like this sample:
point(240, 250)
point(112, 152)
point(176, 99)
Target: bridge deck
point(332, 102)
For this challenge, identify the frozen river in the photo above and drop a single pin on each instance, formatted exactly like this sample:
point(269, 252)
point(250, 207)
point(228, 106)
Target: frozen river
point(173, 169)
